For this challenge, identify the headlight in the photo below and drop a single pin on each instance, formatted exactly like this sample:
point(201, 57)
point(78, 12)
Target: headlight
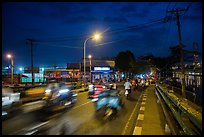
point(4, 113)
point(75, 94)
point(47, 90)
point(95, 99)
point(63, 91)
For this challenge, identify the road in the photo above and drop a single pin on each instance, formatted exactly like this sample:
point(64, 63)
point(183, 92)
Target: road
point(80, 119)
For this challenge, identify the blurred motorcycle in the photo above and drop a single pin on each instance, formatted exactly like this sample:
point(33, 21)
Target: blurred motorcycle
point(108, 104)
point(59, 95)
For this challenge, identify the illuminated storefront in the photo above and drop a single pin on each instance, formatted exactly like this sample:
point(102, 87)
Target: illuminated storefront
point(64, 75)
point(100, 69)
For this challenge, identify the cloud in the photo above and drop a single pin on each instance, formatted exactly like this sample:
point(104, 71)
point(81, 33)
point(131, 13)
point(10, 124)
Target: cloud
point(55, 10)
point(80, 19)
point(135, 10)
point(118, 19)
point(193, 18)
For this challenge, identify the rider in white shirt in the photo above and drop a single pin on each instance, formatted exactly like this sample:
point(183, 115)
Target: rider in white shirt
point(128, 86)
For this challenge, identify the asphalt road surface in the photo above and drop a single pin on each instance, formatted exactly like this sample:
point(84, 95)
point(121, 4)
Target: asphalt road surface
point(79, 119)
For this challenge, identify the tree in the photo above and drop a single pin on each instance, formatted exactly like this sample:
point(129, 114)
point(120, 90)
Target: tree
point(125, 62)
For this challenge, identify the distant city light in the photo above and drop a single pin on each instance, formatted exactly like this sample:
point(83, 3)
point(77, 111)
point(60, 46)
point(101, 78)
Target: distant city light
point(43, 69)
point(20, 69)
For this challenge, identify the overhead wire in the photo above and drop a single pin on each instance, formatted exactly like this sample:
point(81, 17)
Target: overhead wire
point(160, 20)
point(186, 11)
point(165, 29)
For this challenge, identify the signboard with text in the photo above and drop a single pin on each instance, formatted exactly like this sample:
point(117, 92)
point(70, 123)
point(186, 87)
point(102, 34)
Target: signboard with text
point(29, 70)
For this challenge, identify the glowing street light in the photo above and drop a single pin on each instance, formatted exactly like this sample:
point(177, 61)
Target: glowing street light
point(96, 37)
point(11, 57)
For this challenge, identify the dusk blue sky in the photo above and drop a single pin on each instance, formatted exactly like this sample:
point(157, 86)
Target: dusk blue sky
point(60, 29)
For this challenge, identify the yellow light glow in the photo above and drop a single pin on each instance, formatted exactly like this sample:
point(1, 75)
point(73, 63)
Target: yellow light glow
point(97, 36)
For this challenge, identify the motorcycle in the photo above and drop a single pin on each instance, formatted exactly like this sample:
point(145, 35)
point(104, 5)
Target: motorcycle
point(108, 104)
point(128, 93)
point(59, 96)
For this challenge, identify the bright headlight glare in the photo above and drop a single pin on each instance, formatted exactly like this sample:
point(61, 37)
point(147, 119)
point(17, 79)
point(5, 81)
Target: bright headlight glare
point(63, 90)
point(47, 90)
point(75, 94)
point(95, 99)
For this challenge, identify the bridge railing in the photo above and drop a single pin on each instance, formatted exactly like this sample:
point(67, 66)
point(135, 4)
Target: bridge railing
point(182, 111)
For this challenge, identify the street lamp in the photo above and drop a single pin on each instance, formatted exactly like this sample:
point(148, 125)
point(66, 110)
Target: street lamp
point(94, 37)
point(10, 57)
point(90, 67)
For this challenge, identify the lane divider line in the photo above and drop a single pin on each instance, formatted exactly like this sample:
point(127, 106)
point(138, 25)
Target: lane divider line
point(140, 117)
point(133, 112)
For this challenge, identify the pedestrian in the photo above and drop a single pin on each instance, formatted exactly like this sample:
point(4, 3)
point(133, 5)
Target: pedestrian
point(127, 88)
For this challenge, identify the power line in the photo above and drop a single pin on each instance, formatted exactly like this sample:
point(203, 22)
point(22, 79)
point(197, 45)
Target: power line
point(155, 21)
point(65, 46)
point(160, 20)
point(182, 21)
point(68, 38)
point(168, 31)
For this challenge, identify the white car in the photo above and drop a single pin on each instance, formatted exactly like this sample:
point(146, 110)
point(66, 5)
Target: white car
point(10, 101)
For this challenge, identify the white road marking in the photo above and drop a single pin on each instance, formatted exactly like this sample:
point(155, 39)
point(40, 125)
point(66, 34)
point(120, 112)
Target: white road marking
point(127, 124)
point(82, 104)
point(140, 117)
point(142, 108)
point(33, 103)
point(143, 103)
point(144, 99)
point(137, 131)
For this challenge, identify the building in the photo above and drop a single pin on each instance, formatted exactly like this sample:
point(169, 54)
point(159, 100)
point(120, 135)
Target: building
point(190, 74)
point(69, 74)
point(98, 69)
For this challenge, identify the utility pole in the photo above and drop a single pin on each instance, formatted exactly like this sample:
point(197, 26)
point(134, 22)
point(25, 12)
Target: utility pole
point(31, 54)
point(195, 47)
point(177, 11)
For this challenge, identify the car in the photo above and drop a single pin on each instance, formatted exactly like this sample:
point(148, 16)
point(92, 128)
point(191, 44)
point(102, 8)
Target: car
point(11, 102)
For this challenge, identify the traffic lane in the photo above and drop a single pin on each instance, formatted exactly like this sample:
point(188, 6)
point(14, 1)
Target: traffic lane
point(82, 120)
point(32, 113)
point(16, 123)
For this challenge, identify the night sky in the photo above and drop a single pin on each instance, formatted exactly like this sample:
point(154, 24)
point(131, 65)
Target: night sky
point(60, 29)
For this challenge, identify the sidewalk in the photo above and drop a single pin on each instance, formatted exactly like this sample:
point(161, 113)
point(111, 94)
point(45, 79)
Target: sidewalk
point(150, 120)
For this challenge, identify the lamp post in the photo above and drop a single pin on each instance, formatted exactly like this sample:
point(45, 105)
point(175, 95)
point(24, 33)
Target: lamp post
point(96, 37)
point(90, 67)
point(10, 57)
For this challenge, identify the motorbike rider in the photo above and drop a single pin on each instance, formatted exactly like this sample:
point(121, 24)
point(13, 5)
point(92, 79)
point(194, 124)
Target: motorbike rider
point(127, 87)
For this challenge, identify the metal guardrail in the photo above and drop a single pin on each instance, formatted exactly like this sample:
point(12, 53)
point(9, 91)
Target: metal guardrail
point(169, 120)
point(182, 104)
point(177, 106)
point(189, 94)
